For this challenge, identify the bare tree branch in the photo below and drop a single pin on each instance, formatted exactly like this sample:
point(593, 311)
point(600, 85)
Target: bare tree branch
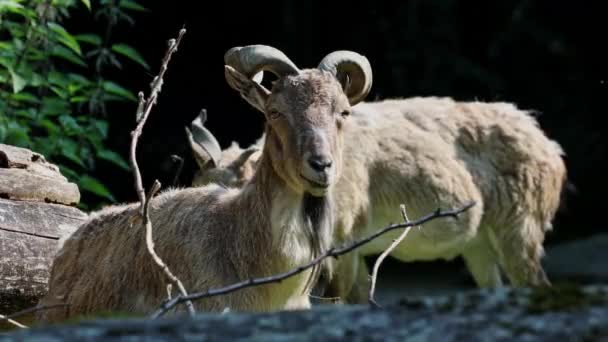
point(13, 322)
point(10, 318)
point(180, 165)
point(30, 310)
point(383, 256)
point(333, 252)
point(143, 111)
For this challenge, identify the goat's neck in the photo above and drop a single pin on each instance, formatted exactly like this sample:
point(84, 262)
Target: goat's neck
point(296, 226)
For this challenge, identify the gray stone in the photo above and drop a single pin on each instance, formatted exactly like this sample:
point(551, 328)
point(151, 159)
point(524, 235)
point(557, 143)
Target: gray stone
point(582, 260)
point(563, 313)
point(26, 175)
point(35, 215)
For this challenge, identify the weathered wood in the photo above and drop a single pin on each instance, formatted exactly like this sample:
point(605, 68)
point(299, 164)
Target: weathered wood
point(21, 184)
point(45, 219)
point(13, 157)
point(30, 234)
point(32, 226)
point(24, 263)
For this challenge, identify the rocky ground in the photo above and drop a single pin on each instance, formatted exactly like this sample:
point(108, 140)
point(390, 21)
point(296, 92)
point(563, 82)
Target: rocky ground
point(568, 313)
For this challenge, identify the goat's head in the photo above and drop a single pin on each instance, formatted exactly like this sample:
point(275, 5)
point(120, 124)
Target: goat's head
point(232, 167)
point(305, 109)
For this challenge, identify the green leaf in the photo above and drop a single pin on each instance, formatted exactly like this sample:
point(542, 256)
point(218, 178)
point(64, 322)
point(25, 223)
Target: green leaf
point(69, 150)
point(68, 172)
point(60, 92)
point(87, 3)
point(28, 113)
point(50, 126)
point(130, 52)
point(91, 184)
point(25, 97)
point(113, 157)
point(116, 89)
point(78, 83)
point(70, 125)
point(57, 78)
point(18, 82)
point(112, 98)
point(101, 127)
point(17, 135)
point(79, 99)
point(3, 131)
point(53, 106)
point(79, 79)
point(89, 38)
point(62, 52)
point(6, 46)
point(132, 5)
point(65, 38)
point(11, 6)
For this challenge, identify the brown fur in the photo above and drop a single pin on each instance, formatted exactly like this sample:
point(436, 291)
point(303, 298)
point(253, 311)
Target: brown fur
point(436, 152)
point(213, 236)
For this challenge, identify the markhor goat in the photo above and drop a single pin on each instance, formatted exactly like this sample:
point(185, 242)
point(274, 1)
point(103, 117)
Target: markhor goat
point(212, 236)
point(428, 153)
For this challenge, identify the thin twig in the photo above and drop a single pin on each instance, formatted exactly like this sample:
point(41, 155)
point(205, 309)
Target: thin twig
point(169, 291)
point(152, 252)
point(389, 250)
point(32, 309)
point(180, 165)
point(13, 322)
point(333, 252)
point(143, 111)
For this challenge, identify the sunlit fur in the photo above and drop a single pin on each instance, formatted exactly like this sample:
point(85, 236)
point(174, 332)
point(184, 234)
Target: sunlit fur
point(213, 236)
point(429, 152)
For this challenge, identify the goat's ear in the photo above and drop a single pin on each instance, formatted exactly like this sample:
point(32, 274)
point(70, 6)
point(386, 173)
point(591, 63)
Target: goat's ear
point(205, 148)
point(250, 90)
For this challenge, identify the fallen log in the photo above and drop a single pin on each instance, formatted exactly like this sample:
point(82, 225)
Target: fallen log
point(36, 214)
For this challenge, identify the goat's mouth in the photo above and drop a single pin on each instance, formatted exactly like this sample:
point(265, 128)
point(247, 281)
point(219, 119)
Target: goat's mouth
point(315, 184)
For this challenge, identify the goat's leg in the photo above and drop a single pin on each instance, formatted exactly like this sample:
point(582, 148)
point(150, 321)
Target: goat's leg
point(520, 250)
point(359, 291)
point(482, 263)
point(350, 274)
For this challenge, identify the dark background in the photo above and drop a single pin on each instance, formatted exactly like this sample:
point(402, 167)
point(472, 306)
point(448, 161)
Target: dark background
point(542, 55)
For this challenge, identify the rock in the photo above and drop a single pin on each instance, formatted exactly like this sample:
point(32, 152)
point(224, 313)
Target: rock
point(13, 157)
point(22, 185)
point(25, 175)
point(565, 313)
point(31, 228)
point(582, 260)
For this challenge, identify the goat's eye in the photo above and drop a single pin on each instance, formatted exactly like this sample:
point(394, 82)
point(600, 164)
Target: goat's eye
point(274, 114)
point(345, 113)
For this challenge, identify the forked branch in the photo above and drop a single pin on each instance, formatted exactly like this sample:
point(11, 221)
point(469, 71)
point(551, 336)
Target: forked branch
point(394, 244)
point(143, 111)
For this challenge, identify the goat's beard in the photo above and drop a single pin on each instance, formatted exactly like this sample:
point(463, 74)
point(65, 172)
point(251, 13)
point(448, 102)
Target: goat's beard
point(318, 215)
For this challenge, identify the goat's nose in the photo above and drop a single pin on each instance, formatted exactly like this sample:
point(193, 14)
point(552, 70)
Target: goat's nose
point(319, 163)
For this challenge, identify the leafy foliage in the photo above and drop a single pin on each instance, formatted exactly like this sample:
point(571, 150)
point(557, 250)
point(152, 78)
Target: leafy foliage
point(53, 92)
